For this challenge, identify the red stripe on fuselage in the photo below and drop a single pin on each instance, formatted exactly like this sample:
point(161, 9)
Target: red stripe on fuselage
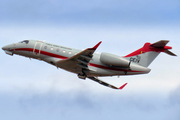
point(41, 52)
point(110, 68)
point(53, 55)
point(23, 49)
point(63, 57)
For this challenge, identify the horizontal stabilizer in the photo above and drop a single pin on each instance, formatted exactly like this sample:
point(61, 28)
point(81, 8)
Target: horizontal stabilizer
point(160, 44)
point(170, 53)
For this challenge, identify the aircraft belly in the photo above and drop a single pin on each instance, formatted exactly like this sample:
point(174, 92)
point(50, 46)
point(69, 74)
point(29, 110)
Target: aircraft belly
point(72, 69)
point(24, 53)
point(93, 71)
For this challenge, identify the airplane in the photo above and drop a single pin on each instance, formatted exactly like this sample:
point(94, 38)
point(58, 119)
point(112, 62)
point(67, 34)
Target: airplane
point(88, 64)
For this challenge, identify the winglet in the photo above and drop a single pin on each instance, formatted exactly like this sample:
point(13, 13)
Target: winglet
point(96, 46)
point(123, 86)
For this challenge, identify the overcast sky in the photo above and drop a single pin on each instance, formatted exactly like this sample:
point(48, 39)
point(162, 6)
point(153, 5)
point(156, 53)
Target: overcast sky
point(33, 90)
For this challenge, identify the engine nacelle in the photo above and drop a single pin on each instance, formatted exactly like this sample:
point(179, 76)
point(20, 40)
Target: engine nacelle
point(113, 60)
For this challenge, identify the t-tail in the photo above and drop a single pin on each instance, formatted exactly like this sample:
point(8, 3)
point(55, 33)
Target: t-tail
point(145, 55)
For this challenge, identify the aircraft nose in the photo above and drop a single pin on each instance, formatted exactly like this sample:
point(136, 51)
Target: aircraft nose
point(7, 47)
point(4, 48)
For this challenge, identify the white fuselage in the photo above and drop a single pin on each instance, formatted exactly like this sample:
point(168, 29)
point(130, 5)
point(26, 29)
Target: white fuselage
point(52, 53)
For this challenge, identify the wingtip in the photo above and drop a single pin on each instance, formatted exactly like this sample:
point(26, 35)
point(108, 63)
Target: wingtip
point(97, 45)
point(123, 86)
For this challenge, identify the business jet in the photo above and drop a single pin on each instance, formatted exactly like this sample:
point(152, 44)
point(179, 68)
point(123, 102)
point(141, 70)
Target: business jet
point(88, 64)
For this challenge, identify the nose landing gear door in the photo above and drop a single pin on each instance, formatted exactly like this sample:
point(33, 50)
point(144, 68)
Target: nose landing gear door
point(37, 48)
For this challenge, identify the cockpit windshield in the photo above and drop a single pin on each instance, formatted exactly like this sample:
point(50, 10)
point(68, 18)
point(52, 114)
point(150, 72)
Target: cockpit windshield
point(25, 41)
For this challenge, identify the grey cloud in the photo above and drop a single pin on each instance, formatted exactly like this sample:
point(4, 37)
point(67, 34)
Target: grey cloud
point(174, 101)
point(175, 96)
point(79, 104)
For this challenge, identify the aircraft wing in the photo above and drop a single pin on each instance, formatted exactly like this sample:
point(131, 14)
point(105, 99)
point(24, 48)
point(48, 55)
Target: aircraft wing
point(79, 61)
point(106, 84)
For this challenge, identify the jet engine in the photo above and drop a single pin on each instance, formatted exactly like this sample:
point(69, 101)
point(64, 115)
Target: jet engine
point(113, 60)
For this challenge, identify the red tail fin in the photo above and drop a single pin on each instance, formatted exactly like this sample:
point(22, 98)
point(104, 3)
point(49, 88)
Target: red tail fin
point(145, 55)
point(159, 46)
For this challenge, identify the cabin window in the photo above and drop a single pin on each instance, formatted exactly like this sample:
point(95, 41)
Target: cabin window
point(64, 51)
point(45, 47)
point(57, 50)
point(25, 41)
point(69, 52)
point(51, 48)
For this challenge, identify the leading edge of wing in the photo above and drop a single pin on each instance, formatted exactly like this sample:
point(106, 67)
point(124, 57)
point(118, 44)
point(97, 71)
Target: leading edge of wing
point(84, 51)
point(86, 54)
point(107, 84)
point(95, 47)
